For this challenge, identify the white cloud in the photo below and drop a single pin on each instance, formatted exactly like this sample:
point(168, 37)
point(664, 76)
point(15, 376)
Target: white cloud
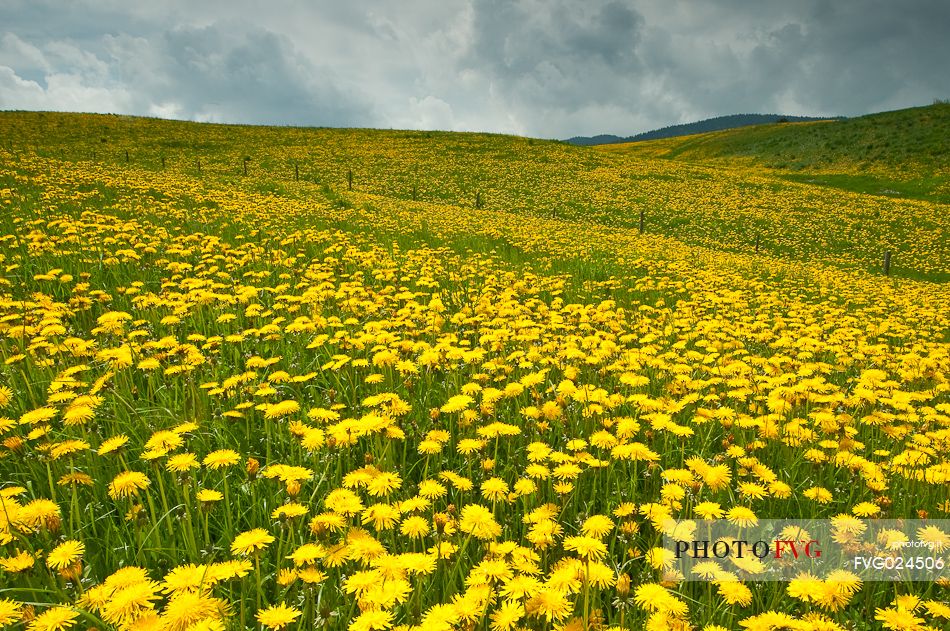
point(428, 113)
point(62, 92)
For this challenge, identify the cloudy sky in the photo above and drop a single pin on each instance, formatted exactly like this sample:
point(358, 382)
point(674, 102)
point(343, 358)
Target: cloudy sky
point(548, 69)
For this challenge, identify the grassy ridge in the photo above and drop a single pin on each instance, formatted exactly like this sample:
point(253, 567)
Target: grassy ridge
point(725, 209)
point(900, 153)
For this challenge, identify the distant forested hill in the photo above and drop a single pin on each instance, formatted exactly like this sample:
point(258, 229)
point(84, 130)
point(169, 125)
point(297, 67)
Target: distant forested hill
point(710, 124)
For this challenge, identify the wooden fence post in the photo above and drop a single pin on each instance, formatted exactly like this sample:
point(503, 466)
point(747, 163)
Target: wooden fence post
point(887, 262)
point(641, 221)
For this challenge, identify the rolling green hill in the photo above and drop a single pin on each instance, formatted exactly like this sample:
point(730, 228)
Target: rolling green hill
point(719, 123)
point(725, 203)
point(903, 153)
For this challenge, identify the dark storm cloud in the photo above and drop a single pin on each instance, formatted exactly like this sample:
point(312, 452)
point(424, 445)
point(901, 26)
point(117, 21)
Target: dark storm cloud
point(860, 55)
point(554, 68)
point(227, 70)
point(555, 52)
point(842, 57)
point(515, 39)
point(224, 72)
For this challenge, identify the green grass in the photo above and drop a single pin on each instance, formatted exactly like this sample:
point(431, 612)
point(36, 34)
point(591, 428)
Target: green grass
point(892, 139)
point(925, 188)
point(719, 204)
point(910, 144)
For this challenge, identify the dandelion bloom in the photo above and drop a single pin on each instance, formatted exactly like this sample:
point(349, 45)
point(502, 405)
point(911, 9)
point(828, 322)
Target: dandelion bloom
point(182, 463)
point(130, 602)
point(414, 527)
point(837, 590)
point(709, 510)
point(185, 578)
point(866, 509)
point(384, 484)
point(597, 526)
point(456, 404)
point(54, 619)
point(479, 522)
point(277, 616)
point(652, 596)
point(551, 604)
point(587, 548)
point(494, 489)
point(289, 511)
point(818, 494)
point(208, 496)
point(221, 458)
point(281, 409)
point(111, 445)
point(936, 539)
point(18, 563)
point(75, 477)
point(937, 609)
point(382, 516)
point(65, 554)
point(128, 483)
point(735, 593)
point(311, 575)
point(251, 541)
point(343, 501)
point(898, 618)
point(742, 516)
point(372, 620)
point(10, 612)
point(185, 609)
point(37, 416)
point(506, 617)
point(308, 554)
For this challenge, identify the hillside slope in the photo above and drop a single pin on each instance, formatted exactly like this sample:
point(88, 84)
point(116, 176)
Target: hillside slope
point(719, 123)
point(740, 209)
point(900, 153)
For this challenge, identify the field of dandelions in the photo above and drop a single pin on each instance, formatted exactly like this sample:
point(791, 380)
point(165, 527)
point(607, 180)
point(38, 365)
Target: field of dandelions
point(268, 378)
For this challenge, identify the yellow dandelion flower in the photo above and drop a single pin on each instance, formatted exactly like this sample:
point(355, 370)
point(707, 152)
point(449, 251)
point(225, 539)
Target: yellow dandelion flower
point(65, 554)
point(479, 522)
point(277, 616)
point(10, 612)
point(251, 541)
point(221, 458)
point(128, 483)
point(54, 619)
